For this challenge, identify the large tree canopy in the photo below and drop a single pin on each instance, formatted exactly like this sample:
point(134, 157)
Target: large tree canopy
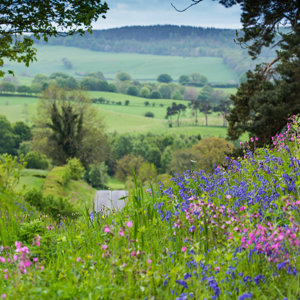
point(42, 19)
point(271, 93)
point(68, 126)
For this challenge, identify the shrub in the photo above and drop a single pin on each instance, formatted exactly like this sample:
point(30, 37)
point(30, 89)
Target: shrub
point(96, 176)
point(149, 114)
point(56, 207)
point(36, 160)
point(155, 95)
point(29, 230)
point(132, 90)
point(75, 168)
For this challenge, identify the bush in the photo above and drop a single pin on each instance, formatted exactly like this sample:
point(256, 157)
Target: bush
point(96, 176)
point(28, 231)
point(56, 207)
point(75, 168)
point(166, 78)
point(149, 114)
point(155, 95)
point(132, 90)
point(36, 160)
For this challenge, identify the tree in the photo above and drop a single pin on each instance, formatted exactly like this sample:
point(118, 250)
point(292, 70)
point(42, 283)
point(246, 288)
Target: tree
point(210, 152)
point(165, 90)
point(184, 79)
point(123, 76)
point(132, 90)
point(7, 137)
point(68, 126)
point(42, 19)
point(205, 97)
point(165, 78)
point(271, 93)
point(224, 108)
point(197, 79)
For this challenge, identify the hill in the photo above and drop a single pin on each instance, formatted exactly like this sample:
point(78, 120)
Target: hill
point(186, 41)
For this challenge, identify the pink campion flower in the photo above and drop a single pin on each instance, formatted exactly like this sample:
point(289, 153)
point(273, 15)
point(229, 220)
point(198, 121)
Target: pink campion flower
point(132, 254)
point(2, 259)
point(5, 276)
point(121, 232)
point(15, 257)
point(149, 261)
point(228, 197)
point(18, 244)
point(183, 249)
point(104, 247)
point(217, 269)
point(5, 270)
point(8, 260)
point(242, 208)
point(129, 224)
point(78, 259)
point(138, 252)
point(42, 268)
point(106, 229)
point(3, 296)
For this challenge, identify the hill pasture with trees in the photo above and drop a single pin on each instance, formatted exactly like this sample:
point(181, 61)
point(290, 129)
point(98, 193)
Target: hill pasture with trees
point(205, 217)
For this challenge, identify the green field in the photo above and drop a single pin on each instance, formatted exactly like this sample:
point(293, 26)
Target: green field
point(140, 66)
point(124, 119)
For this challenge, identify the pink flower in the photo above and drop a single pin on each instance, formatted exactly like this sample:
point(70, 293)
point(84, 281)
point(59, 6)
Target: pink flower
point(183, 249)
point(106, 229)
point(132, 254)
point(104, 247)
point(217, 269)
point(129, 224)
point(149, 261)
point(35, 259)
point(242, 208)
point(6, 276)
point(2, 259)
point(42, 268)
point(3, 296)
point(121, 232)
point(78, 259)
point(228, 197)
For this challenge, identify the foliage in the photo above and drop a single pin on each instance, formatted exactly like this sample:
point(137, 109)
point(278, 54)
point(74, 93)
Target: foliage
point(68, 126)
point(165, 78)
point(36, 160)
point(57, 207)
point(42, 19)
point(226, 235)
point(75, 168)
point(128, 164)
point(149, 114)
point(123, 76)
point(210, 152)
point(97, 176)
point(10, 170)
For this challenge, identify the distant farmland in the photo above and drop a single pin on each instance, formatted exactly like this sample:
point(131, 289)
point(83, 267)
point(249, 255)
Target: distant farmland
point(140, 66)
point(125, 119)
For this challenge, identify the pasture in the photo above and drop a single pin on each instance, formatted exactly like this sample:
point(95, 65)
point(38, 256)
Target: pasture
point(125, 119)
point(141, 66)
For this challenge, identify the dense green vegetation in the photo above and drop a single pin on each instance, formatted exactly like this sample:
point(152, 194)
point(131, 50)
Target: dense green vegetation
point(229, 235)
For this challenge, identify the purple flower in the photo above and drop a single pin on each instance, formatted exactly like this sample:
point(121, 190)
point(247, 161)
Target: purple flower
point(245, 296)
point(259, 278)
point(187, 276)
point(183, 283)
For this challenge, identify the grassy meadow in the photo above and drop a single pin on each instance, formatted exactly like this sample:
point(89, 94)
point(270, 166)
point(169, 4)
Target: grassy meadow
point(233, 234)
point(140, 66)
point(125, 119)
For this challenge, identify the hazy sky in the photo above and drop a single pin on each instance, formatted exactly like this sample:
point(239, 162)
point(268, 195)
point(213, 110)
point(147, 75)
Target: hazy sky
point(142, 12)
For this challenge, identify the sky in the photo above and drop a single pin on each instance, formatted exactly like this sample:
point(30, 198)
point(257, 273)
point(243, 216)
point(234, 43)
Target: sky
point(151, 12)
